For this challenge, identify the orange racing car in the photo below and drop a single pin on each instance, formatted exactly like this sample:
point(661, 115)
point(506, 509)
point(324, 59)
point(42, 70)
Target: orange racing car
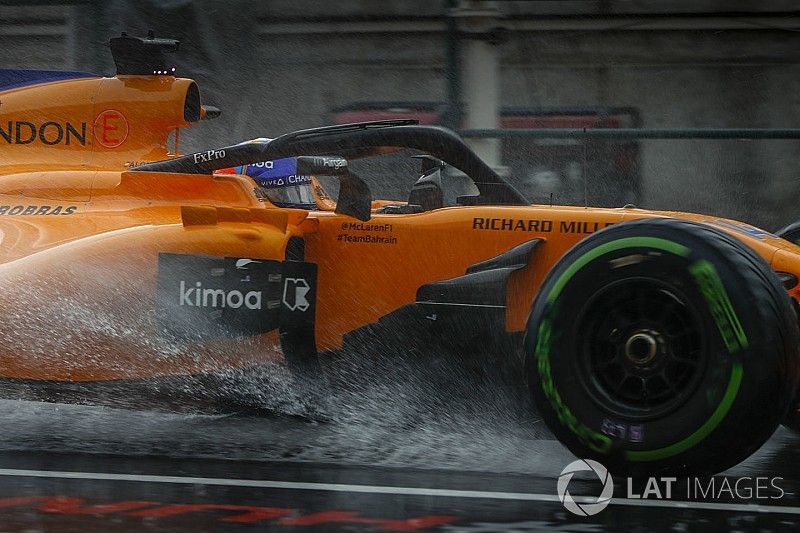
point(650, 341)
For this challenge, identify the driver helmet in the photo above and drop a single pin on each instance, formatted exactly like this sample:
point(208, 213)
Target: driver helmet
point(277, 180)
point(279, 183)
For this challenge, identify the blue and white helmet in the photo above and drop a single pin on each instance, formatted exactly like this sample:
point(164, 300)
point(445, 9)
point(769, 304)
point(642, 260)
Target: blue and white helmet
point(279, 183)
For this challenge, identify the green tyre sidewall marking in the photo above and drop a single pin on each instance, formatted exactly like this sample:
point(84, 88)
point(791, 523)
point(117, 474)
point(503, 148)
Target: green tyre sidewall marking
point(719, 304)
point(593, 439)
point(602, 443)
point(619, 244)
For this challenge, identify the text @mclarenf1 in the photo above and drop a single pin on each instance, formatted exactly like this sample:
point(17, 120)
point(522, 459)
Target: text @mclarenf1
point(362, 234)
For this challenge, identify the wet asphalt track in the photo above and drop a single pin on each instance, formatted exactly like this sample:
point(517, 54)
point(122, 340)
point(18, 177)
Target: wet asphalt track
point(397, 454)
point(69, 468)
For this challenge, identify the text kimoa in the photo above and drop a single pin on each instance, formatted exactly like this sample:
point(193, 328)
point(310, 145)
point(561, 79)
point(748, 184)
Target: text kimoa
point(197, 296)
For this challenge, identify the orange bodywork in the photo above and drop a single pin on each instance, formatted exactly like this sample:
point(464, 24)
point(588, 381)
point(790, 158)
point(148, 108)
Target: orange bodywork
point(80, 238)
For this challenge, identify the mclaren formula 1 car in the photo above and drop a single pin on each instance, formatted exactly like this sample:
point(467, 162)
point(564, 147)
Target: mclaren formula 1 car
point(650, 341)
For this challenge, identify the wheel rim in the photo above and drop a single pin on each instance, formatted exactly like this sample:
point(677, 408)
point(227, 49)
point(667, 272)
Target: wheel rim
point(641, 347)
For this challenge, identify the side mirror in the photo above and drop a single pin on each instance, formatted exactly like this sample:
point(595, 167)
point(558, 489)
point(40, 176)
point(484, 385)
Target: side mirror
point(427, 192)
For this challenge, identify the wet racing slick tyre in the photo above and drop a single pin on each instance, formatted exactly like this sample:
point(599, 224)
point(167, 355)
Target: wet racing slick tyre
point(662, 346)
point(791, 233)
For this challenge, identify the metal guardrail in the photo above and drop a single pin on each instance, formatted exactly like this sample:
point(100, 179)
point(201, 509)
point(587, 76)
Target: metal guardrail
point(636, 133)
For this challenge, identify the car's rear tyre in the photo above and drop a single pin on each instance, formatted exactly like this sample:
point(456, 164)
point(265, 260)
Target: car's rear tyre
point(660, 346)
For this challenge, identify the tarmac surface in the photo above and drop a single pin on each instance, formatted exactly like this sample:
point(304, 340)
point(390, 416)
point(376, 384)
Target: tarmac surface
point(383, 458)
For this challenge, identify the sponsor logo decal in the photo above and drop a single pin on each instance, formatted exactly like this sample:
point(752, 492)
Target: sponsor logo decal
point(202, 297)
point(295, 291)
point(266, 185)
point(49, 133)
point(279, 168)
point(244, 264)
point(36, 210)
point(271, 183)
point(197, 296)
point(207, 156)
point(332, 162)
point(211, 297)
point(541, 226)
point(512, 224)
point(110, 128)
